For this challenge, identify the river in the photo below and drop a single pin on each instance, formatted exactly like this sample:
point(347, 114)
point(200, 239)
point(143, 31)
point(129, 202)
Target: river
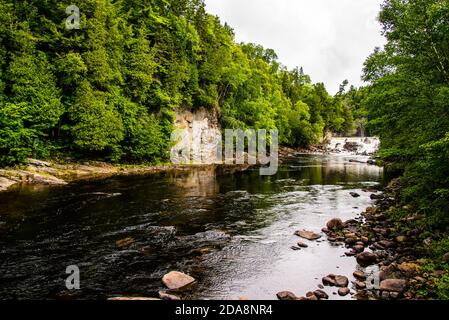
point(233, 233)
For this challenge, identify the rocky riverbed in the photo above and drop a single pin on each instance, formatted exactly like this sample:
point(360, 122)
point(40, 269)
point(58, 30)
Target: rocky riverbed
point(390, 266)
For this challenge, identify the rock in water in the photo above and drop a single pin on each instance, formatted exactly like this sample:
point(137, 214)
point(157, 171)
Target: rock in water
point(360, 285)
point(329, 281)
point(320, 294)
point(354, 194)
point(360, 275)
point(335, 224)
point(166, 296)
point(341, 281)
point(366, 258)
point(393, 285)
point(343, 291)
point(177, 280)
point(302, 245)
point(124, 243)
point(309, 235)
point(286, 295)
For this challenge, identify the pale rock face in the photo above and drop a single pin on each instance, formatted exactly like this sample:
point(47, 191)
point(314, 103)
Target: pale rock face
point(197, 138)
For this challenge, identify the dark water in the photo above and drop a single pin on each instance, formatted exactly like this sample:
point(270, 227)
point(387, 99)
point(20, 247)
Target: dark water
point(233, 233)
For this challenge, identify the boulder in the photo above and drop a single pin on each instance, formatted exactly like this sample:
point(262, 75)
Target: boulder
point(286, 295)
point(393, 285)
point(335, 224)
point(408, 268)
point(376, 196)
point(341, 281)
point(177, 280)
point(312, 298)
point(329, 281)
point(38, 163)
point(354, 194)
point(366, 258)
point(360, 275)
point(320, 294)
point(387, 272)
point(360, 285)
point(309, 235)
point(343, 291)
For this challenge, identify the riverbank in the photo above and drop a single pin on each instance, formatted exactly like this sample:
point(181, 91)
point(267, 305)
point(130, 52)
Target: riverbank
point(48, 173)
point(397, 257)
point(52, 173)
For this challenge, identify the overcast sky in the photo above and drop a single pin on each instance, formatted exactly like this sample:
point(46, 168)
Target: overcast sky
point(330, 38)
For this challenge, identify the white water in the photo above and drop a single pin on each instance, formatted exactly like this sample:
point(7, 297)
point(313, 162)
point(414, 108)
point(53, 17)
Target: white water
point(354, 146)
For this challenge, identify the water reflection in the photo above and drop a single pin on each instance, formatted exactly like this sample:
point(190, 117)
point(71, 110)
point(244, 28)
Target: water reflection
point(232, 232)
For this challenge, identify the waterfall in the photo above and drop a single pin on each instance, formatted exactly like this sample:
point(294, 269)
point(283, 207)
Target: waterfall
point(355, 146)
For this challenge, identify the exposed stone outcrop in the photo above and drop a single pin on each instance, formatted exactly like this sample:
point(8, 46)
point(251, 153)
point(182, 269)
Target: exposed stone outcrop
point(197, 138)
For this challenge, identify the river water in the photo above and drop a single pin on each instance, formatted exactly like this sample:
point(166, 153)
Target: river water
point(233, 233)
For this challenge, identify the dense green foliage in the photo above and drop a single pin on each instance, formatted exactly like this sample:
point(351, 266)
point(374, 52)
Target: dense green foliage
point(110, 89)
point(408, 101)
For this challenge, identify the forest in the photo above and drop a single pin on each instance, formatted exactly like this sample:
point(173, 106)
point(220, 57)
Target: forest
point(109, 90)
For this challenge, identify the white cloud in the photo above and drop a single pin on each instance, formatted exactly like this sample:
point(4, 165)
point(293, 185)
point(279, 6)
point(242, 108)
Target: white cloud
point(331, 39)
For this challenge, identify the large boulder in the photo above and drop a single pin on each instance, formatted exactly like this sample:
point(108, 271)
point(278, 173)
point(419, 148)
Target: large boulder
point(309, 235)
point(177, 280)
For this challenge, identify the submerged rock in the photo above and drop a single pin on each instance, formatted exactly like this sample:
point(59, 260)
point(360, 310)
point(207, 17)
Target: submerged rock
point(124, 243)
point(177, 280)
